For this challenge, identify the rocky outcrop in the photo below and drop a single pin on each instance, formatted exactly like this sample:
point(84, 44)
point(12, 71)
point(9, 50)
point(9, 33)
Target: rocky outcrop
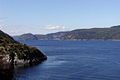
point(18, 54)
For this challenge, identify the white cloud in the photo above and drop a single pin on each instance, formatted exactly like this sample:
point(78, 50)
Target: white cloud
point(55, 27)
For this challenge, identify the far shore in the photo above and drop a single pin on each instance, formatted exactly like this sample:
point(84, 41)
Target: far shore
point(74, 40)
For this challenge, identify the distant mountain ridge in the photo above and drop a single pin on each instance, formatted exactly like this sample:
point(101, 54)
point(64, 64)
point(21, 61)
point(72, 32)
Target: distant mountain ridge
point(78, 34)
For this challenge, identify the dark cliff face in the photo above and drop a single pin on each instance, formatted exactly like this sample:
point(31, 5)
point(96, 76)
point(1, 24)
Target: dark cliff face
point(21, 53)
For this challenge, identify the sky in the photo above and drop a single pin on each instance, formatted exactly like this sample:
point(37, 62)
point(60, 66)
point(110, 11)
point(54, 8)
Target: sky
point(48, 16)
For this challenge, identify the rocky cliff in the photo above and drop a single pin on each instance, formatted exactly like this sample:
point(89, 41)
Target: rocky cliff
point(13, 52)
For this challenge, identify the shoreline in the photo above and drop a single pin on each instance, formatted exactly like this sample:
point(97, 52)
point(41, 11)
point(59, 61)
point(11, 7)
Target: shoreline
point(75, 40)
point(7, 69)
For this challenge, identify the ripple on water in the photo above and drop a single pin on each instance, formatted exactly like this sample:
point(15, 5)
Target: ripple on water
point(53, 62)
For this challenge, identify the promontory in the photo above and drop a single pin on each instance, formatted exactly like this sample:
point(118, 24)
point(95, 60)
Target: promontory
point(16, 53)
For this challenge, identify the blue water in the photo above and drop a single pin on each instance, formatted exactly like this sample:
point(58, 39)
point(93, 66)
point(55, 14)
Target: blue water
point(75, 60)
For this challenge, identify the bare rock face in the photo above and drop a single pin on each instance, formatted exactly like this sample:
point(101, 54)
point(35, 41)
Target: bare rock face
point(16, 53)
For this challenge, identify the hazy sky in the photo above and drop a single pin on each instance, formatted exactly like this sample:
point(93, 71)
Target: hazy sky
point(45, 16)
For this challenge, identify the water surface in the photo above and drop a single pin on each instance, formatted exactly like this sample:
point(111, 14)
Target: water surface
point(75, 60)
